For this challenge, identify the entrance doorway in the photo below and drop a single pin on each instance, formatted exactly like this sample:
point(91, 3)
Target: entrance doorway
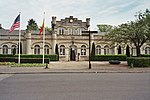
point(72, 54)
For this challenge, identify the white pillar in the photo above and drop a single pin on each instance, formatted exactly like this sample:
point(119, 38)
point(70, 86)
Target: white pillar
point(9, 51)
point(54, 34)
point(115, 50)
point(28, 43)
point(67, 54)
point(54, 39)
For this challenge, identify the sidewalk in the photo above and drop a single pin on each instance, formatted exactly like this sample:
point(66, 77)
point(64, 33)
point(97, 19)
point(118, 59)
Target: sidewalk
point(74, 67)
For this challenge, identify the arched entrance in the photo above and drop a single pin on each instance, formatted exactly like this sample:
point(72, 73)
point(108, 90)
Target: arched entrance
point(73, 52)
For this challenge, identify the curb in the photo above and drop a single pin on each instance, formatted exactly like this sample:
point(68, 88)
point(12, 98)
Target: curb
point(71, 72)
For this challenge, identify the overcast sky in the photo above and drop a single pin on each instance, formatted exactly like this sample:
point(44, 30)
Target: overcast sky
point(113, 12)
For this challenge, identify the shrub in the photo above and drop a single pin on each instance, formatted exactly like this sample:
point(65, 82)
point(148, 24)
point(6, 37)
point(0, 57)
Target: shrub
point(145, 55)
point(128, 51)
point(51, 57)
point(114, 61)
point(25, 60)
point(93, 49)
point(138, 61)
point(7, 55)
point(56, 51)
point(108, 57)
point(8, 59)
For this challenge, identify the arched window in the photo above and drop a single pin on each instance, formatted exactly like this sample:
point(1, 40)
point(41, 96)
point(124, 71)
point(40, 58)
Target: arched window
point(61, 31)
point(5, 49)
point(46, 49)
point(147, 50)
point(62, 50)
point(79, 31)
point(69, 31)
point(36, 49)
point(83, 50)
point(106, 50)
point(13, 49)
point(98, 50)
point(72, 31)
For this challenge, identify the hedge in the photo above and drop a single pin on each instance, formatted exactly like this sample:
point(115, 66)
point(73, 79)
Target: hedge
point(145, 55)
point(24, 60)
point(108, 57)
point(138, 61)
point(51, 57)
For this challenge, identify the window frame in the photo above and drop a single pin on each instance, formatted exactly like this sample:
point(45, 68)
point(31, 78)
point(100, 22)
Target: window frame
point(62, 50)
point(12, 48)
point(46, 49)
point(36, 49)
point(98, 49)
point(5, 49)
point(106, 50)
point(83, 50)
point(147, 50)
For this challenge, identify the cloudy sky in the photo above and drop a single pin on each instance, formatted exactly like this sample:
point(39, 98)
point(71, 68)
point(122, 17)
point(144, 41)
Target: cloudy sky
point(113, 12)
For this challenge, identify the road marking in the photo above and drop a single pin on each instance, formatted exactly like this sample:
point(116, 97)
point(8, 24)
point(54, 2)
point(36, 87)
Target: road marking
point(3, 76)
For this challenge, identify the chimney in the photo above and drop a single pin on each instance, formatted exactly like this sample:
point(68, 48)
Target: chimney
point(87, 22)
point(53, 20)
point(0, 26)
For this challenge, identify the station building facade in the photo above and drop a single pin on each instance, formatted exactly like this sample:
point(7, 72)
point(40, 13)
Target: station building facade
point(73, 45)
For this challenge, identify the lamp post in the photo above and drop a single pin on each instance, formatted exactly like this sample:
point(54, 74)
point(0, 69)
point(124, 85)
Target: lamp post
point(88, 25)
point(89, 49)
point(89, 45)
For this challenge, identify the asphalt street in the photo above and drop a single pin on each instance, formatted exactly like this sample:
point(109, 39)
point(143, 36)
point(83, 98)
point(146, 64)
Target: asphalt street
point(75, 86)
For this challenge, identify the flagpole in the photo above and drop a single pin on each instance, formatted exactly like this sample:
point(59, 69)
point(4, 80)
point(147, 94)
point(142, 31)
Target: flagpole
point(19, 40)
point(43, 37)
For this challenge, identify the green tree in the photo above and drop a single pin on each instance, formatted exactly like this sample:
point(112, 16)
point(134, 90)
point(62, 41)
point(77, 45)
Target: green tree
point(32, 25)
point(128, 51)
point(47, 29)
point(14, 51)
point(104, 27)
point(136, 32)
point(93, 49)
point(56, 51)
point(119, 50)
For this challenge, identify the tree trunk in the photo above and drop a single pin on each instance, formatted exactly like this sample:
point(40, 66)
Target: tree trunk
point(138, 51)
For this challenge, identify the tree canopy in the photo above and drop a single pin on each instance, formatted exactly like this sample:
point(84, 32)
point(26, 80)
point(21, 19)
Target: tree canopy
point(136, 32)
point(104, 27)
point(32, 25)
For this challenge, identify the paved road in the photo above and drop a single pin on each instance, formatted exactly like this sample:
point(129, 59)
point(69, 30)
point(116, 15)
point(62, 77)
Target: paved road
point(84, 86)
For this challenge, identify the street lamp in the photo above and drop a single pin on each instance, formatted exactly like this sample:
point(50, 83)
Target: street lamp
point(88, 25)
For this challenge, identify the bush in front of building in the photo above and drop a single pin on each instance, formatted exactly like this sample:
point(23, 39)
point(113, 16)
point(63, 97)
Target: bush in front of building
point(145, 55)
point(7, 55)
point(109, 57)
point(138, 61)
point(50, 57)
point(24, 60)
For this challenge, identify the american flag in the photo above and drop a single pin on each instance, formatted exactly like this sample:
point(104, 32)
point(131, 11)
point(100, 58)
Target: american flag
point(16, 24)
